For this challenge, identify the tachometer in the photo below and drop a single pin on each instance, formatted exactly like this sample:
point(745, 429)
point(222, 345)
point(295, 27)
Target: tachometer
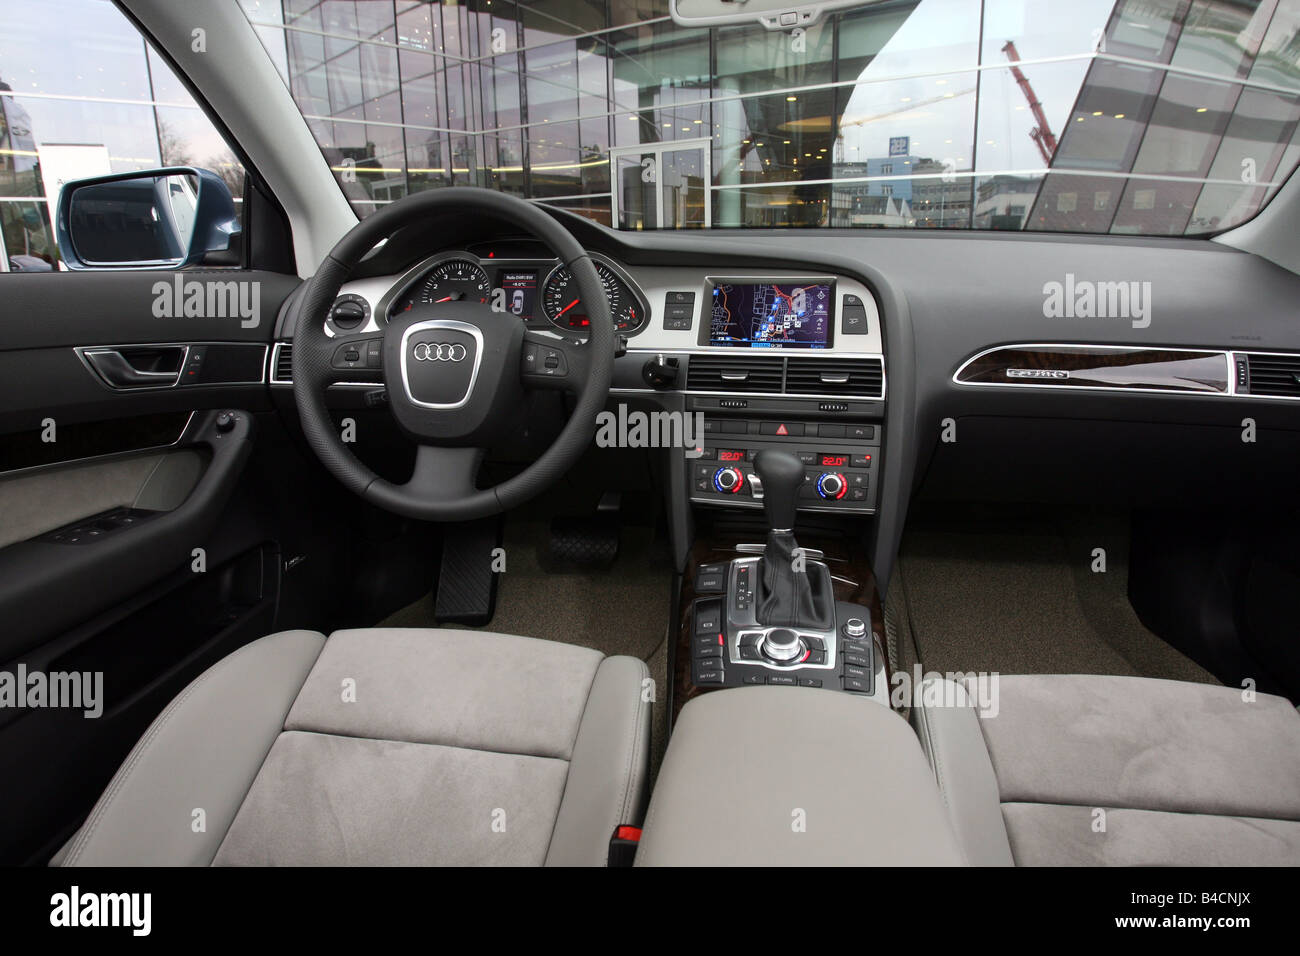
point(453, 281)
point(562, 306)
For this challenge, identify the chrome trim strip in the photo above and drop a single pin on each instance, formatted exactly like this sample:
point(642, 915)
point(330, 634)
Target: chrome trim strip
point(1094, 347)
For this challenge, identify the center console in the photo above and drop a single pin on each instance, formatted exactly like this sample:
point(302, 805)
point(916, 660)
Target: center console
point(773, 613)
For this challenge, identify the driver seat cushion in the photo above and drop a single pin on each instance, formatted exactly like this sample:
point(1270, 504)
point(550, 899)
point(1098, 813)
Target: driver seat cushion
point(384, 746)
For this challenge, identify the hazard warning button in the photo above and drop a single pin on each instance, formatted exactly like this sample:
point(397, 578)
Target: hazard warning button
point(781, 428)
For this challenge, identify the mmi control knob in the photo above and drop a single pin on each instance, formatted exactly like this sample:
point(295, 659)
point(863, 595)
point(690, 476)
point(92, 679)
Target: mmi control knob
point(831, 484)
point(728, 480)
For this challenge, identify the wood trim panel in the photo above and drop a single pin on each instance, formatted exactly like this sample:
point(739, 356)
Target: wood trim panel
point(1080, 366)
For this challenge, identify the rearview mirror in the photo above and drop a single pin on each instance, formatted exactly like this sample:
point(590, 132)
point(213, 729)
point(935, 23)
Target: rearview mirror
point(773, 14)
point(155, 219)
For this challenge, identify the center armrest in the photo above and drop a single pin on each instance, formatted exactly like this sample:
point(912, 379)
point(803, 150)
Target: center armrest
point(790, 776)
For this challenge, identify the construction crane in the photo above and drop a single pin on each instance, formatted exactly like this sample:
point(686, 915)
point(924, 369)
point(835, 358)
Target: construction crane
point(1042, 133)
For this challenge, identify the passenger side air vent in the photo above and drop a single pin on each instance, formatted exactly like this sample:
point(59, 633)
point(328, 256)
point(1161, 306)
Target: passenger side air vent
point(856, 377)
point(747, 373)
point(1274, 375)
point(283, 371)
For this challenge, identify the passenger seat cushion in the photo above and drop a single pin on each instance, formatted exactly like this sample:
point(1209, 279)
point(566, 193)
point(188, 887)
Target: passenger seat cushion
point(1139, 743)
point(1117, 771)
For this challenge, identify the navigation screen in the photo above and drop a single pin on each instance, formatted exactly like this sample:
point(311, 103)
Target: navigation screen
point(771, 315)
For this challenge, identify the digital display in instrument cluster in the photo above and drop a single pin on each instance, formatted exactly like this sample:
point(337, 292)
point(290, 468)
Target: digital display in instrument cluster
point(520, 290)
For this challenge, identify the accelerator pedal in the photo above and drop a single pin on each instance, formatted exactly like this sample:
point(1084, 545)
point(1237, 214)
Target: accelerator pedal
point(467, 583)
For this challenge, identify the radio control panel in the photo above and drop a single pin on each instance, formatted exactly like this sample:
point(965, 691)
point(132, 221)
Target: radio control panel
point(841, 462)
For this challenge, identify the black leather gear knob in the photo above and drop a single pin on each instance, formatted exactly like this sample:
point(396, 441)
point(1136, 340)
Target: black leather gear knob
point(782, 477)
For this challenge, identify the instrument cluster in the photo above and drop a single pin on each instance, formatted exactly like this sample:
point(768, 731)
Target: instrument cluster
point(541, 292)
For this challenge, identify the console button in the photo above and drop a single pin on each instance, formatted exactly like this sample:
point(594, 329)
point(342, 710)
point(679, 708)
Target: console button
point(707, 650)
point(750, 652)
point(858, 494)
point(755, 678)
point(851, 670)
point(857, 660)
point(785, 680)
point(855, 683)
point(810, 682)
point(860, 461)
point(781, 428)
point(815, 657)
point(708, 617)
point(830, 431)
point(860, 431)
point(702, 645)
point(853, 320)
point(709, 664)
point(735, 428)
point(708, 677)
point(710, 578)
point(679, 298)
point(807, 457)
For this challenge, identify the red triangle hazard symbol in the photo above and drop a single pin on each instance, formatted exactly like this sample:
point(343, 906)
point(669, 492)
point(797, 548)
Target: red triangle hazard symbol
point(780, 430)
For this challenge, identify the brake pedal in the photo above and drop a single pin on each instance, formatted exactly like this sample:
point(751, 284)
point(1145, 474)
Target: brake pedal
point(467, 583)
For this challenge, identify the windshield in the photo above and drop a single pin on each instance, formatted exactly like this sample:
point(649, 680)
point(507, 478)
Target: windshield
point(1150, 117)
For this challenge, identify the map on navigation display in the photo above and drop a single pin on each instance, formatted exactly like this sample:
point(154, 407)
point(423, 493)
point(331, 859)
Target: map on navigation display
point(771, 315)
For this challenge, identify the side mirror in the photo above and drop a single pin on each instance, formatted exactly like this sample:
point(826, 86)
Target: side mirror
point(772, 14)
point(155, 219)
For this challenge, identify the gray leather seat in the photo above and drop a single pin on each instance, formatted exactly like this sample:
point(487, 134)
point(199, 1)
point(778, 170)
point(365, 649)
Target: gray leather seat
point(384, 746)
point(1086, 770)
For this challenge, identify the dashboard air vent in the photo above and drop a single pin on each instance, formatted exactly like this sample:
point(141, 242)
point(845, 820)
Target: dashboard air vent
point(738, 373)
point(283, 371)
point(856, 377)
point(1274, 375)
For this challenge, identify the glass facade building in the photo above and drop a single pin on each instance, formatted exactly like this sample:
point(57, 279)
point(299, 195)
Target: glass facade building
point(1166, 117)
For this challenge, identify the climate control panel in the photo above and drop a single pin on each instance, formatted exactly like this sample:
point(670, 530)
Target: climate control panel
point(841, 463)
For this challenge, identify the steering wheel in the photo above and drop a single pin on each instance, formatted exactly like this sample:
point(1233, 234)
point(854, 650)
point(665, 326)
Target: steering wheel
point(456, 372)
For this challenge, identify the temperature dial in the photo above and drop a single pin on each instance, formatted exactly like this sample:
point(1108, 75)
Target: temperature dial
point(831, 484)
point(728, 480)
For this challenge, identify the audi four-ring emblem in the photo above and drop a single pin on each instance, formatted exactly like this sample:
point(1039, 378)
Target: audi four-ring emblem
point(439, 352)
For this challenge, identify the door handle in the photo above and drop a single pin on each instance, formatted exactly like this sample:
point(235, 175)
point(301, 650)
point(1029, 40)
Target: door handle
point(116, 368)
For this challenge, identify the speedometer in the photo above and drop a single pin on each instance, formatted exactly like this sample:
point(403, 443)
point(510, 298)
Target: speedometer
point(455, 280)
point(563, 307)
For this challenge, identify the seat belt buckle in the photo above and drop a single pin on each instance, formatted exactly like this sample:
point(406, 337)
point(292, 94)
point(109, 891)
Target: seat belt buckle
point(622, 846)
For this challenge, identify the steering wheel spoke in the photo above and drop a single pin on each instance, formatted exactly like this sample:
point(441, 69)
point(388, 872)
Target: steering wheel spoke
point(444, 474)
point(551, 361)
point(356, 358)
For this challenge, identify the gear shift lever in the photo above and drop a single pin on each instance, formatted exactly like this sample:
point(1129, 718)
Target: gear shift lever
point(787, 597)
point(782, 477)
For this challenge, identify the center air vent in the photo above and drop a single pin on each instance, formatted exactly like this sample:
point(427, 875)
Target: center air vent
point(1274, 375)
point(857, 377)
point(738, 373)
